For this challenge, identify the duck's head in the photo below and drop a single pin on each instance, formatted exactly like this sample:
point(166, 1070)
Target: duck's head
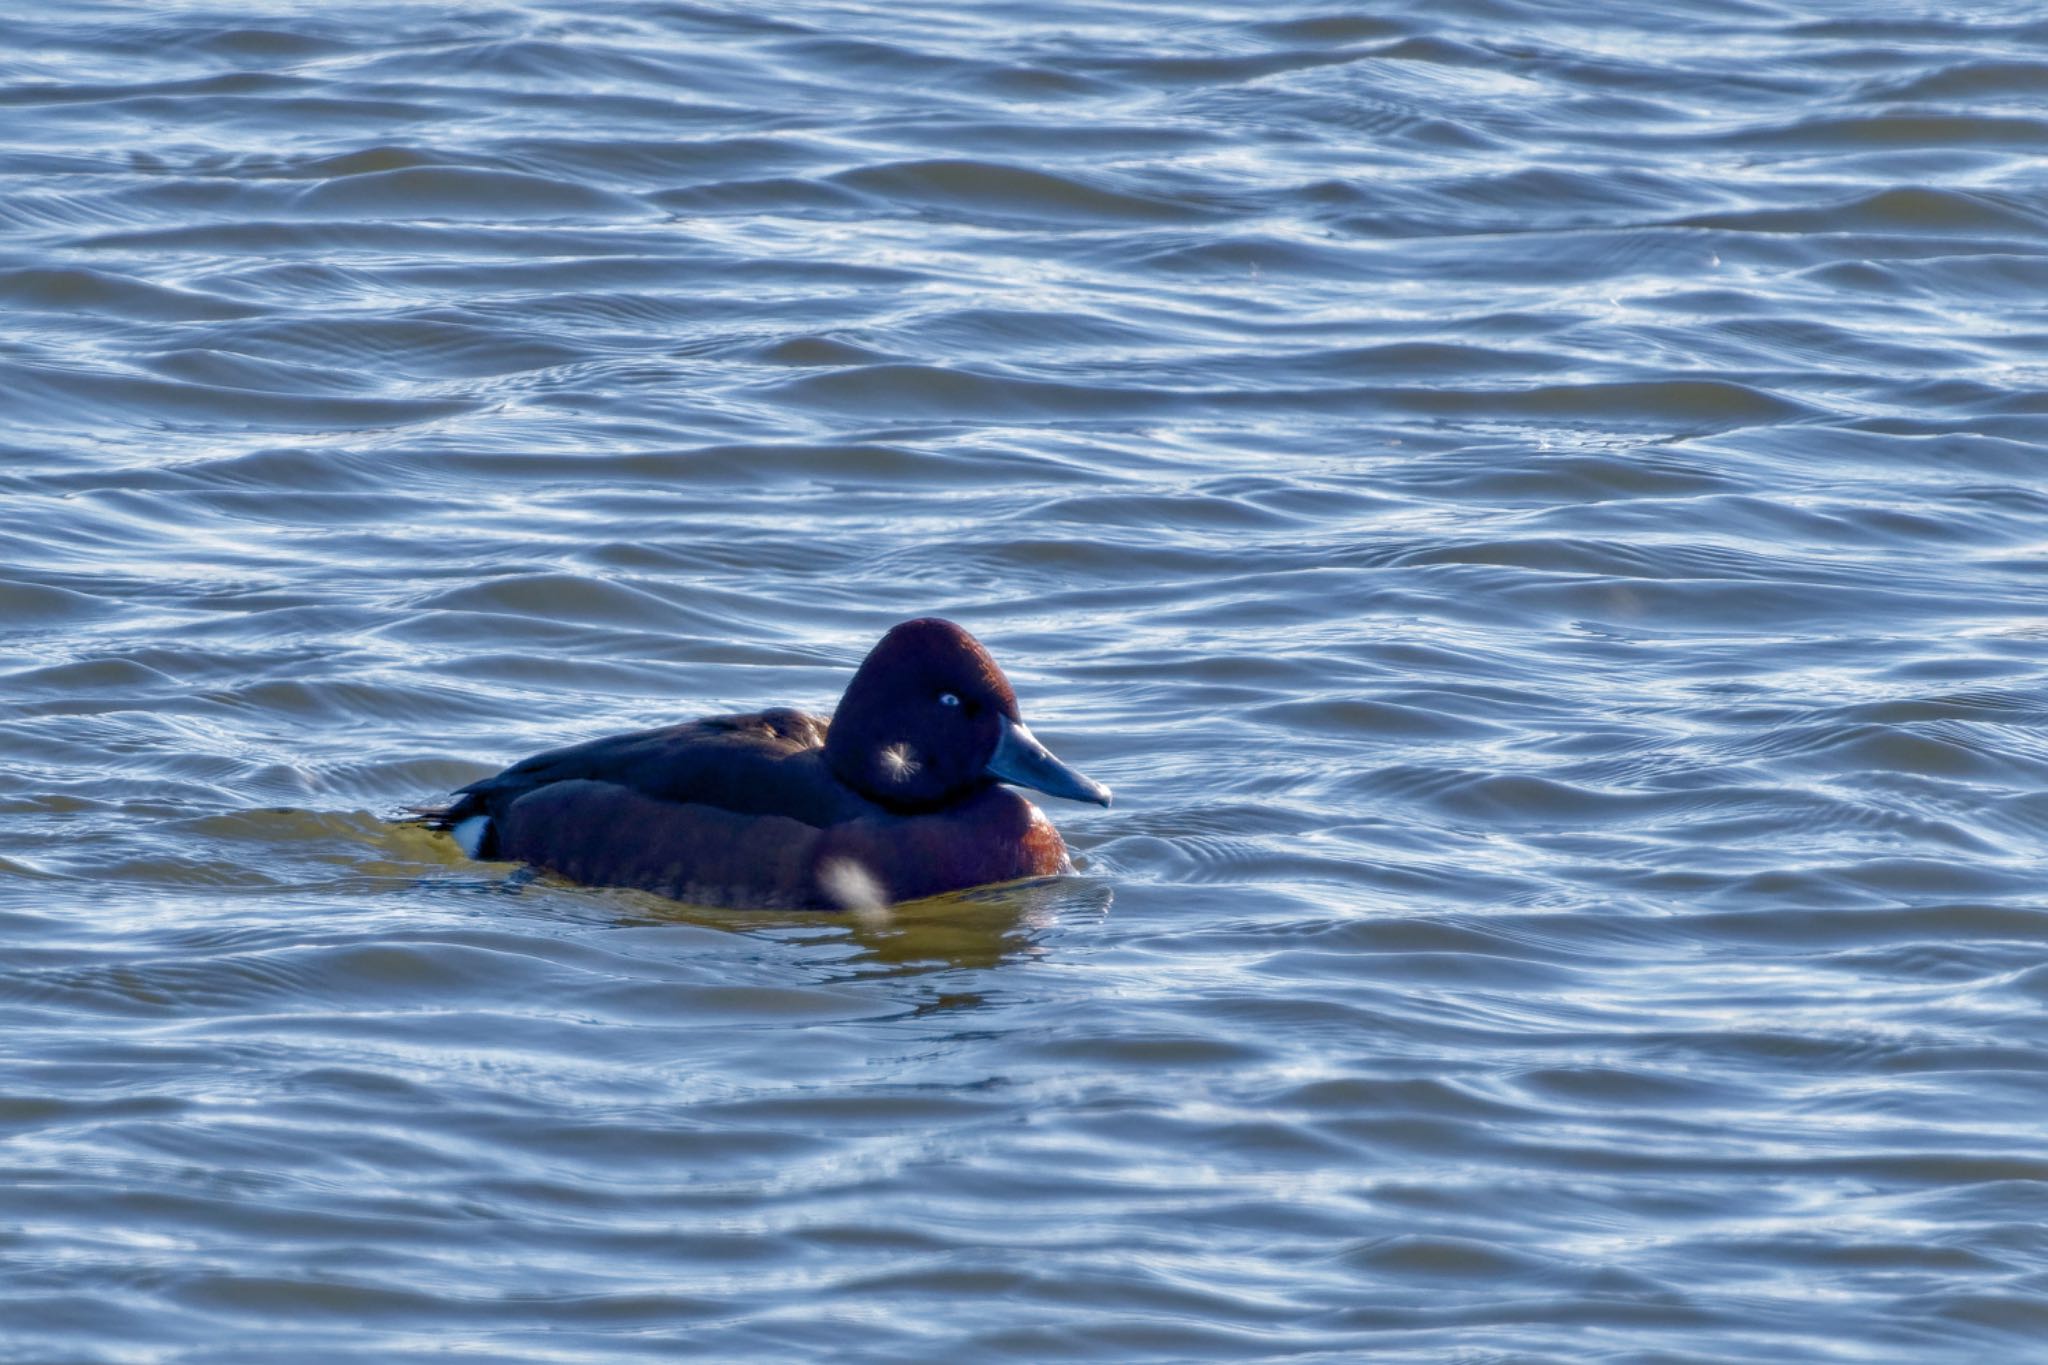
point(929, 719)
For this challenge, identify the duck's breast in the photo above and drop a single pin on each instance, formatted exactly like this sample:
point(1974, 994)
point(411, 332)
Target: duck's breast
point(994, 836)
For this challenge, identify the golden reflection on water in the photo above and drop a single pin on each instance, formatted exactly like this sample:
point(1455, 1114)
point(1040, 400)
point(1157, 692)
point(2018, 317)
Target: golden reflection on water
point(980, 928)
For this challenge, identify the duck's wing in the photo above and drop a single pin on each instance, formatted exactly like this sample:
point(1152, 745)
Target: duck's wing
point(605, 835)
point(601, 834)
point(764, 763)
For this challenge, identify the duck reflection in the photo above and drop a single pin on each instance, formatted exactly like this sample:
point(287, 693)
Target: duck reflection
point(964, 930)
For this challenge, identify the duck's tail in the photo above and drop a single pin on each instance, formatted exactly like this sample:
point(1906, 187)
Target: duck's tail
point(464, 819)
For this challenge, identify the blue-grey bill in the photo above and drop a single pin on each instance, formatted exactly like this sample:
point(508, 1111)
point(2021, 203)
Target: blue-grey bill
point(1020, 759)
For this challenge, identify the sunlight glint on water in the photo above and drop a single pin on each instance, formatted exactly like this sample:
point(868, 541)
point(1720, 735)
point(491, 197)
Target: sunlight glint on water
point(1537, 512)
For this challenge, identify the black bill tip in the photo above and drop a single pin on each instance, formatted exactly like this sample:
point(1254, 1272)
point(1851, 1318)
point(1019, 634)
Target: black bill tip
point(1021, 760)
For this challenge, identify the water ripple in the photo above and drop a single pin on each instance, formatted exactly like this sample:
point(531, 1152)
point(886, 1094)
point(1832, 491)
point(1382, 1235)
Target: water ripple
point(1536, 509)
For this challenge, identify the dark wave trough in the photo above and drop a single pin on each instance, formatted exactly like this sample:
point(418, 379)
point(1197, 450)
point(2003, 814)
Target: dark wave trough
point(1537, 511)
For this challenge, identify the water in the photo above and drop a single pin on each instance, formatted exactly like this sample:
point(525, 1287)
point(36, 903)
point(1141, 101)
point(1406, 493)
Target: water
point(1536, 509)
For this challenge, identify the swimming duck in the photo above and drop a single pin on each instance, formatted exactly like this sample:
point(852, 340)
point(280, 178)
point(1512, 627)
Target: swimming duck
point(897, 795)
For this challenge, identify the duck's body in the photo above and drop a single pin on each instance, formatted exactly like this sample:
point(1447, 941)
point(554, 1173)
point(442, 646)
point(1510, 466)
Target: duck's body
point(892, 799)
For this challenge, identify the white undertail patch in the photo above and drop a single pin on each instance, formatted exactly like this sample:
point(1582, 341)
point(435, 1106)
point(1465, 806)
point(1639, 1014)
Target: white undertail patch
point(470, 834)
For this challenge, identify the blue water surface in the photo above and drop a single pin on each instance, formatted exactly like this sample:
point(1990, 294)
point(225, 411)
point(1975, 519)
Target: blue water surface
point(1537, 509)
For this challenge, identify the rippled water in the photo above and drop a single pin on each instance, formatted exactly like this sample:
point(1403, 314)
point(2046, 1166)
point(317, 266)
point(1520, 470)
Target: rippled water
point(1538, 510)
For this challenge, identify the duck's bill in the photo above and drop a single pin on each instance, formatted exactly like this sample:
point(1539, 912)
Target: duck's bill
point(1020, 759)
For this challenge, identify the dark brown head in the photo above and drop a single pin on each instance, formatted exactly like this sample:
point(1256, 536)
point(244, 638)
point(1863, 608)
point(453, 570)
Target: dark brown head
point(929, 719)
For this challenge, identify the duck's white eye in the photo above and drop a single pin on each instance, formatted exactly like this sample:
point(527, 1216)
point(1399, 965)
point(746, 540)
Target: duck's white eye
point(948, 699)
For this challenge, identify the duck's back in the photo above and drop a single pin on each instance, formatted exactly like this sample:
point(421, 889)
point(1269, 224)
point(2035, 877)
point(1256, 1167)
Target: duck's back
point(768, 763)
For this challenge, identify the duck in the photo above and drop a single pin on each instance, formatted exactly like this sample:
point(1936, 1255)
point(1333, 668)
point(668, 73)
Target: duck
point(907, 790)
